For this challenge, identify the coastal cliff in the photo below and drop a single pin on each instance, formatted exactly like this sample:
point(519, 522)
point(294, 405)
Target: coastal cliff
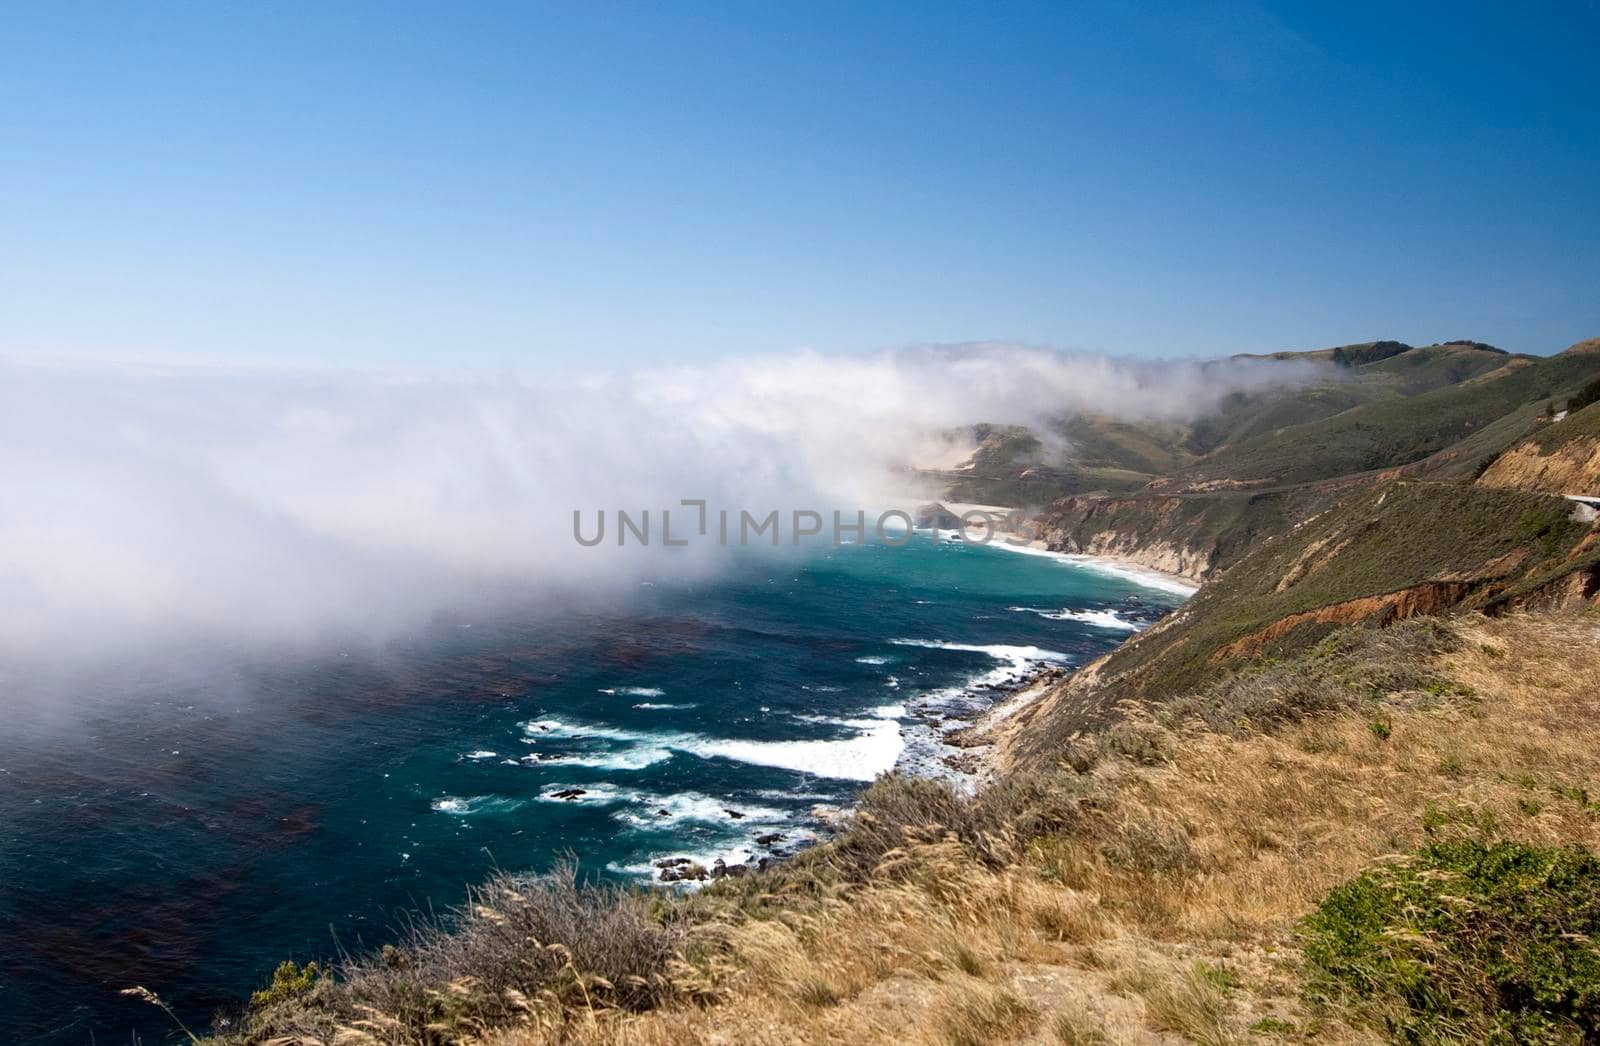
point(1147, 531)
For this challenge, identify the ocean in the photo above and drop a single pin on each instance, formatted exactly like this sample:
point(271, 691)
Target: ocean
point(201, 827)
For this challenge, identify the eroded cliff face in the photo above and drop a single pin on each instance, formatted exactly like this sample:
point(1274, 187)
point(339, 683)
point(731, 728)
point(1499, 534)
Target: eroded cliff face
point(1149, 531)
point(1572, 467)
point(1432, 598)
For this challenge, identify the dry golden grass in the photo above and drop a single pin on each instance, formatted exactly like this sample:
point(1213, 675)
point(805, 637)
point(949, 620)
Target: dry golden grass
point(1257, 828)
point(1164, 911)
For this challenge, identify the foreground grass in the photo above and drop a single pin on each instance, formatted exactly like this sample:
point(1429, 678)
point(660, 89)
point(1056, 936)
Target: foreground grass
point(1158, 892)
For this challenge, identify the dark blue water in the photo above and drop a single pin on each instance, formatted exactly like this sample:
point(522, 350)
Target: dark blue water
point(201, 829)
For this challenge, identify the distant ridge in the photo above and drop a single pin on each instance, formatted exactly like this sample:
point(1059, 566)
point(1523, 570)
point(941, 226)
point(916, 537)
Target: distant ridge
point(1479, 345)
point(1344, 355)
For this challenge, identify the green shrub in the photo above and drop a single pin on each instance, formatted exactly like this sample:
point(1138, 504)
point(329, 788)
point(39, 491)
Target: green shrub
point(1465, 942)
point(1590, 393)
point(899, 811)
point(289, 983)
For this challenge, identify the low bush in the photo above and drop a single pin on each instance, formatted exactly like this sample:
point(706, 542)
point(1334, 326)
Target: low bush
point(1590, 393)
point(1465, 942)
point(898, 811)
point(289, 983)
point(1345, 670)
point(523, 949)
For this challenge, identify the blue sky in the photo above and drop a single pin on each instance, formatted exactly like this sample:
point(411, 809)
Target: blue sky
point(621, 184)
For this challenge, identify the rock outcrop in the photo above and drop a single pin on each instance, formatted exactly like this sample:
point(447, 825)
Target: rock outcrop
point(1571, 467)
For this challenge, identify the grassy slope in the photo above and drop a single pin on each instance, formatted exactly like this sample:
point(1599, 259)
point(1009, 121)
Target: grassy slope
point(1375, 540)
point(1435, 367)
point(1244, 416)
point(1585, 422)
point(1151, 448)
point(1368, 374)
point(1396, 430)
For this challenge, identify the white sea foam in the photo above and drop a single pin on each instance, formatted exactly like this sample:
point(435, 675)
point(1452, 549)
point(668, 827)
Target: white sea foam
point(870, 752)
point(465, 806)
point(799, 797)
point(863, 757)
point(695, 807)
point(637, 870)
point(480, 754)
point(634, 691)
point(657, 707)
point(1014, 660)
point(872, 659)
point(556, 728)
point(1000, 651)
point(626, 759)
point(1098, 618)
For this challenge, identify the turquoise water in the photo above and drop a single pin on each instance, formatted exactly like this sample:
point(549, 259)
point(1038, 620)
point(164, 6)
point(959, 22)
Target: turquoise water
point(204, 826)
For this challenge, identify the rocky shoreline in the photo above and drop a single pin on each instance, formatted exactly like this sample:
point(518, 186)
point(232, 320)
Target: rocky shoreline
point(972, 763)
point(967, 729)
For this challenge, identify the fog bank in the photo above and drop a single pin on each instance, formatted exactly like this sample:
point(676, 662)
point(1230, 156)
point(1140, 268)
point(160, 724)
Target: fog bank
point(152, 503)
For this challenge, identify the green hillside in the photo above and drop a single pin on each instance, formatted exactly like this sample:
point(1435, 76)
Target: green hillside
point(1380, 553)
point(1394, 430)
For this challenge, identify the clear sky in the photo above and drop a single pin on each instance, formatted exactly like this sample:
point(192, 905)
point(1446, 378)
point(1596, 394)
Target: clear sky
point(630, 183)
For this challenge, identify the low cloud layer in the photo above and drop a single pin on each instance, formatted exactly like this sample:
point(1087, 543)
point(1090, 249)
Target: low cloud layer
point(143, 504)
